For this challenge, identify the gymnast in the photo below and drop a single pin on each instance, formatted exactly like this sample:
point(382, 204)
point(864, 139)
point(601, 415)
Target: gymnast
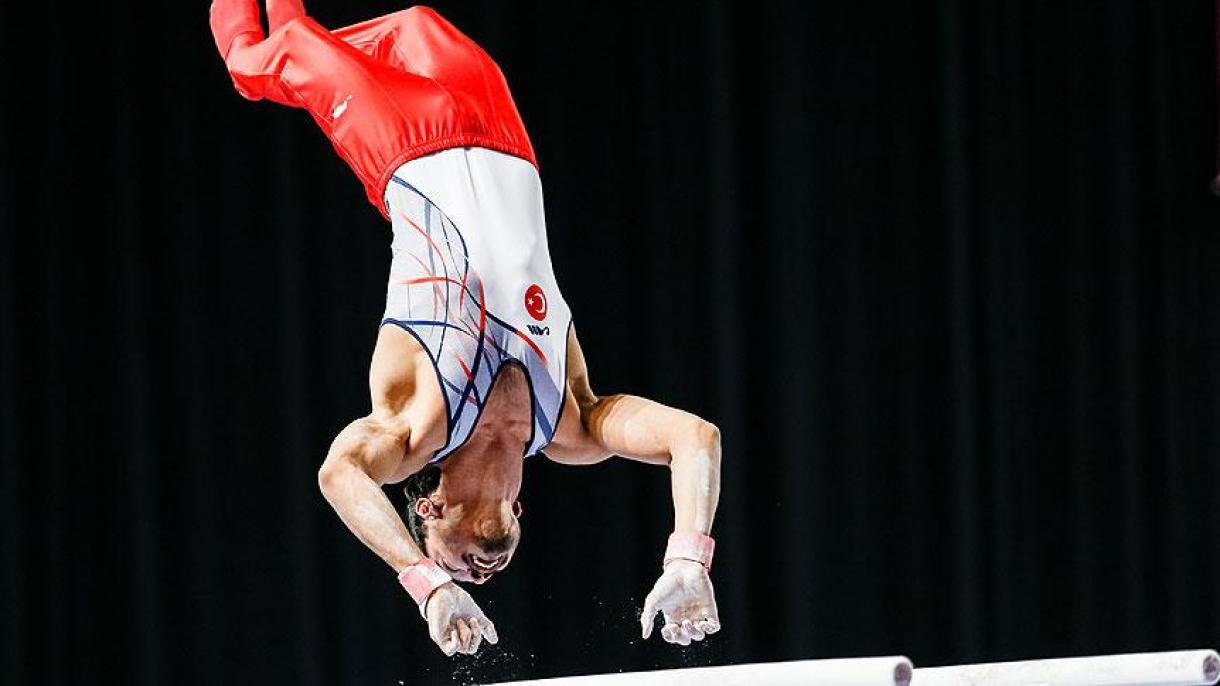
point(476, 364)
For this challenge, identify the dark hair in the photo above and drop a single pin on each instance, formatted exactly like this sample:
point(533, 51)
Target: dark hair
point(421, 484)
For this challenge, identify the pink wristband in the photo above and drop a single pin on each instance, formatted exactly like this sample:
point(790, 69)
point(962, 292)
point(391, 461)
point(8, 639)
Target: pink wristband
point(422, 579)
point(690, 545)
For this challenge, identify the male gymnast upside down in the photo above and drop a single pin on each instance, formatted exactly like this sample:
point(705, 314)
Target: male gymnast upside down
point(476, 363)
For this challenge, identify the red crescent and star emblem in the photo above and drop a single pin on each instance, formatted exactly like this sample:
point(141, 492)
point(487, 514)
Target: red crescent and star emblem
point(535, 302)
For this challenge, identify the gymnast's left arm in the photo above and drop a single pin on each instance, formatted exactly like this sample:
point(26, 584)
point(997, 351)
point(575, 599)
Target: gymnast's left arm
point(594, 428)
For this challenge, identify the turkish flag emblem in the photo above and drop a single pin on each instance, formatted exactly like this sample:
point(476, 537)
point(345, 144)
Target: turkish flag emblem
point(535, 302)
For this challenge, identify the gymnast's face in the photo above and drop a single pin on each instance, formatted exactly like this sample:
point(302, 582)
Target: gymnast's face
point(473, 543)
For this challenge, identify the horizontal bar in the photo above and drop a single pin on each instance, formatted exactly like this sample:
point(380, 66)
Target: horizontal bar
point(1178, 668)
point(870, 671)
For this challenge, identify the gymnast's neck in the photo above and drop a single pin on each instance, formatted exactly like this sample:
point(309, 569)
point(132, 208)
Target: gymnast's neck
point(488, 466)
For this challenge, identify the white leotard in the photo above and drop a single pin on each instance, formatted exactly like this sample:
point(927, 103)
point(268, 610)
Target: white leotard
point(471, 279)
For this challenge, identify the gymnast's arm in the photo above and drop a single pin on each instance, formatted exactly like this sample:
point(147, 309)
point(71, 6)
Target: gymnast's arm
point(372, 451)
point(595, 427)
point(365, 455)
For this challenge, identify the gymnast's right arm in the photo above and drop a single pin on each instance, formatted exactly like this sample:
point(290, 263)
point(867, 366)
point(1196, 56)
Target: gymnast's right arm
point(363, 456)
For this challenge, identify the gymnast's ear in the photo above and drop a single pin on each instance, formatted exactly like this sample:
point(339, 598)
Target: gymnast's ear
point(517, 509)
point(428, 508)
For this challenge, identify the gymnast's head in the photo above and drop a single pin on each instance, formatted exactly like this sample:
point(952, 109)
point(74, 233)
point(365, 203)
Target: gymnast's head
point(470, 540)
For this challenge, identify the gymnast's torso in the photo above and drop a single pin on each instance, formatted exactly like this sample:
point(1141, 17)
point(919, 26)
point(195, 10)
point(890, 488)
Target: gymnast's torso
point(471, 280)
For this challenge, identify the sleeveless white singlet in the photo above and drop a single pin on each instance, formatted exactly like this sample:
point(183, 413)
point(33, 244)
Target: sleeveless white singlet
point(471, 279)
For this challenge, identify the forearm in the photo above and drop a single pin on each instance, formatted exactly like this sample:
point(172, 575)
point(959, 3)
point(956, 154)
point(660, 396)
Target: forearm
point(368, 513)
point(683, 593)
point(647, 431)
point(695, 478)
point(348, 480)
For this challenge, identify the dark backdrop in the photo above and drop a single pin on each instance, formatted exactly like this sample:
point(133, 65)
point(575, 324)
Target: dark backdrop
point(946, 274)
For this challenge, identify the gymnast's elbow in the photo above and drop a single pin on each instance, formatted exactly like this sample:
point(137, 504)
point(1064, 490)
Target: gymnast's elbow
point(331, 476)
point(703, 434)
point(338, 469)
point(700, 436)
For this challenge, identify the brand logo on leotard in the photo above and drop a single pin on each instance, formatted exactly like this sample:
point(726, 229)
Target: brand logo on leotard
point(535, 302)
point(341, 108)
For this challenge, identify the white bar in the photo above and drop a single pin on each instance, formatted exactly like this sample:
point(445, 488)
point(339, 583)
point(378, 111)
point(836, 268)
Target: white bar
point(871, 671)
point(1180, 668)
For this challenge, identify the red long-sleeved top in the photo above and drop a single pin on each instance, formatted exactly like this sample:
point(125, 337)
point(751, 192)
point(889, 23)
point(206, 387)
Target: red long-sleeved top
point(384, 91)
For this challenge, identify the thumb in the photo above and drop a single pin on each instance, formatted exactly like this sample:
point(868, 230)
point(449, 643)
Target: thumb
point(449, 645)
point(489, 630)
point(650, 611)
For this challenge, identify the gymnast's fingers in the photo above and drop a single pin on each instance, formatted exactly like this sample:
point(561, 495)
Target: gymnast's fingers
point(449, 644)
point(650, 611)
point(476, 635)
point(463, 632)
point(489, 631)
point(709, 626)
point(681, 637)
point(692, 630)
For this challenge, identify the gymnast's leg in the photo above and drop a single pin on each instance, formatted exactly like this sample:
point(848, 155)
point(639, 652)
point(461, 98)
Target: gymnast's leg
point(256, 61)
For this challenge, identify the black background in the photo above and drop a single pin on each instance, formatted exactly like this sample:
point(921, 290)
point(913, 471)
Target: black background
point(946, 274)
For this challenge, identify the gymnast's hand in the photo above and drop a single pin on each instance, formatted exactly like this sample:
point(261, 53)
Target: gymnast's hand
point(685, 595)
point(455, 622)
